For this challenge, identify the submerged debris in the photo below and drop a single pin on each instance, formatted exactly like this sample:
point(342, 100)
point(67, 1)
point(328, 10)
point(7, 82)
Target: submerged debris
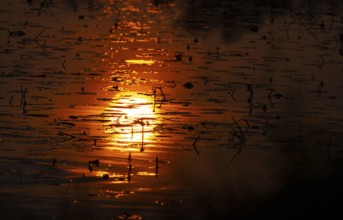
point(54, 161)
point(91, 163)
point(178, 57)
point(94, 162)
point(16, 33)
point(188, 85)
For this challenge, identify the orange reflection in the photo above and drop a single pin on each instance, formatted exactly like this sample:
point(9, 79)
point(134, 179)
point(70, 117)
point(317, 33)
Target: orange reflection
point(131, 121)
point(140, 62)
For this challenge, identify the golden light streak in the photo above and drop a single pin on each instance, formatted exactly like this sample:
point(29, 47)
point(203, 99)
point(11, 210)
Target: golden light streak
point(140, 62)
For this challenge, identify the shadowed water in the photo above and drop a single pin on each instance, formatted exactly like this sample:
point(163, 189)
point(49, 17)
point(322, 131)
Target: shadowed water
point(170, 109)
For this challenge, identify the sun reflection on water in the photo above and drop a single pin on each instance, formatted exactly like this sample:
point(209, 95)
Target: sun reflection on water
point(140, 62)
point(131, 121)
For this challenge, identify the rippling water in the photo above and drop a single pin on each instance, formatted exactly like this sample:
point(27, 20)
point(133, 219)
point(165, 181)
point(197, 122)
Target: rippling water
point(170, 109)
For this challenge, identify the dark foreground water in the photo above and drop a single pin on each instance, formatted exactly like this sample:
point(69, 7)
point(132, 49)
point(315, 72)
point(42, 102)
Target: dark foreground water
point(170, 109)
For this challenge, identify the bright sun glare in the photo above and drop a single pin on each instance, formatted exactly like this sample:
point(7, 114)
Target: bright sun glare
point(132, 121)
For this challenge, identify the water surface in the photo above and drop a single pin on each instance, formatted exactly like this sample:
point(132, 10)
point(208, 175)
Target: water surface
point(170, 109)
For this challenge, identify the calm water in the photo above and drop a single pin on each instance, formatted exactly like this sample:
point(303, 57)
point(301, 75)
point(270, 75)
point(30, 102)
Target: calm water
point(170, 109)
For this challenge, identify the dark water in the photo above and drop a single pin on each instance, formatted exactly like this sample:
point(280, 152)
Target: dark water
point(170, 109)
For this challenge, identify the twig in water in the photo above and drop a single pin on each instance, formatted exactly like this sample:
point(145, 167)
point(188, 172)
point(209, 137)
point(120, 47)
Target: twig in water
point(164, 97)
point(38, 35)
point(190, 59)
point(156, 167)
point(154, 94)
point(130, 168)
point(117, 119)
point(237, 153)
point(23, 102)
point(240, 135)
point(54, 161)
point(132, 132)
point(140, 121)
point(142, 147)
point(129, 174)
point(217, 50)
point(11, 101)
point(321, 84)
point(195, 37)
point(195, 147)
point(232, 93)
point(239, 128)
point(320, 88)
point(250, 108)
point(248, 125)
point(159, 128)
point(24, 107)
point(22, 95)
point(63, 65)
point(154, 89)
point(322, 25)
point(309, 30)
